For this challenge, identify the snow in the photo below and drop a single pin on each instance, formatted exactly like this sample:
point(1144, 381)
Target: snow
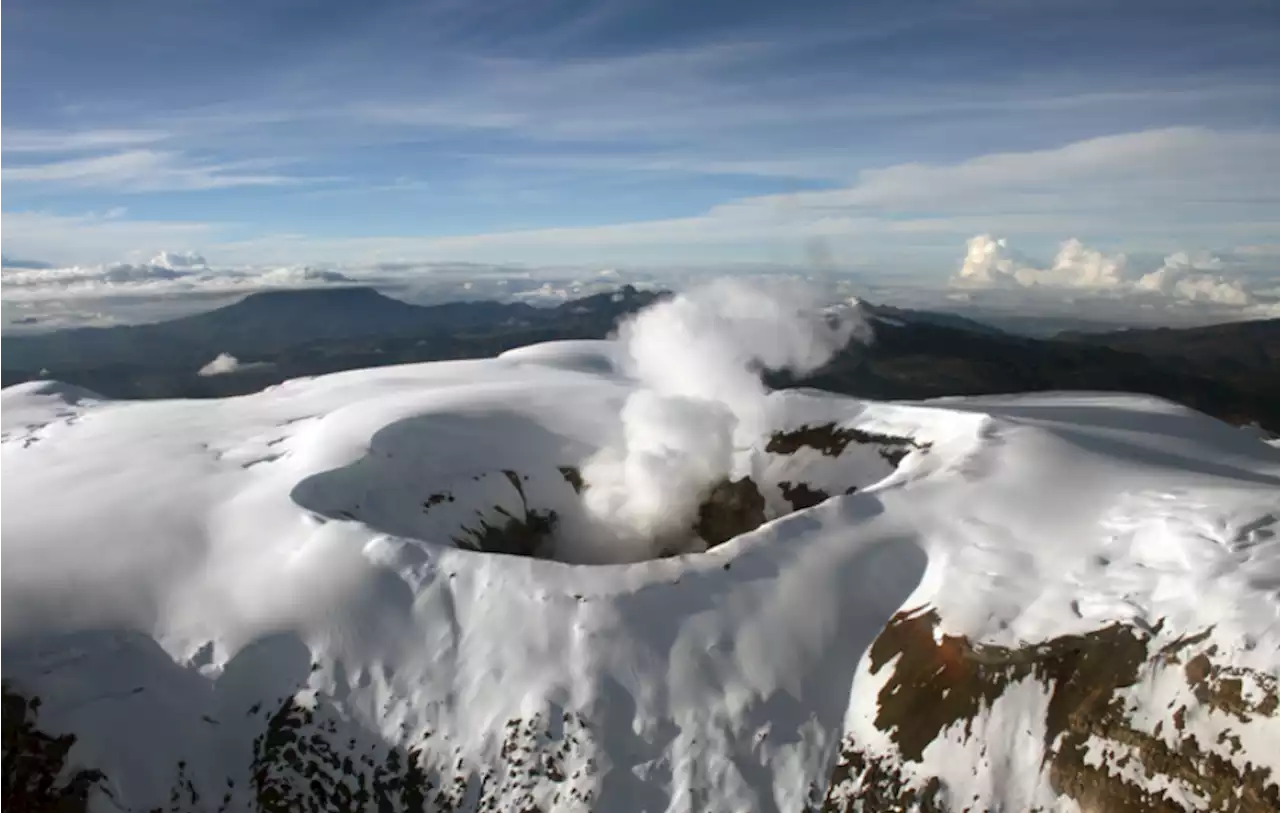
point(1105, 755)
point(168, 563)
point(1127, 506)
point(1009, 777)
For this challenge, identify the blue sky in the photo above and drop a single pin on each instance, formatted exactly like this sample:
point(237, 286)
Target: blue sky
point(877, 134)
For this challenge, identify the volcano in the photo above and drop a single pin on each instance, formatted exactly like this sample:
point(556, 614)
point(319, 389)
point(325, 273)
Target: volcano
point(380, 589)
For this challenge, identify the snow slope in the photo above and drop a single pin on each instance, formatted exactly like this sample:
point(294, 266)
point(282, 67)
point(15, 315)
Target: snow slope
point(268, 602)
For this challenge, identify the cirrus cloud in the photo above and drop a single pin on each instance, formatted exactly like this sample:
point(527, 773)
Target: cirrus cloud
point(1156, 189)
point(144, 170)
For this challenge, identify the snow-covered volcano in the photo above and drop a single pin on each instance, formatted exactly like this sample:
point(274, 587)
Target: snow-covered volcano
point(306, 599)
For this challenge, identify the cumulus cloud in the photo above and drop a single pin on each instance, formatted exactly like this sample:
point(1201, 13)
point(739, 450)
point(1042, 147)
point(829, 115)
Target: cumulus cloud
point(1209, 289)
point(698, 358)
point(1196, 278)
point(178, 259)
point(989, 262)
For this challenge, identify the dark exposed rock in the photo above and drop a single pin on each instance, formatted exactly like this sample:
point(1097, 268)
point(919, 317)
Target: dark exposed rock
point(831, 440)
point(299, 763)
point(35, 763)
point(529, 535)
point(801, 495)
point(733, 507)
point(880, 785)
point(436, 499)
point(573, 476)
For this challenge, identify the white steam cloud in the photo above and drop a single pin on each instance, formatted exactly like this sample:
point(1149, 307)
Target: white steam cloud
point(225, 363)
point(698, 359)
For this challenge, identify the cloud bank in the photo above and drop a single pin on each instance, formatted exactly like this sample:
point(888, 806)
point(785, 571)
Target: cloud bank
point(167, 274)
point(1195, 278)
point(993, 279)
point(990, 263)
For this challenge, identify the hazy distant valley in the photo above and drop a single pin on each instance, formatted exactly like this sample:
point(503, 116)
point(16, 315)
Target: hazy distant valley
point(1231, 371)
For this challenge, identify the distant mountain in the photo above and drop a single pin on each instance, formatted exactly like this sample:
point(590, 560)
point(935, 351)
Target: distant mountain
point(1040, 326)
point(36, 265)
point(1236, 344)
point(889, 315)
point(274, 321)
point(1230, 371)
point(260, 323)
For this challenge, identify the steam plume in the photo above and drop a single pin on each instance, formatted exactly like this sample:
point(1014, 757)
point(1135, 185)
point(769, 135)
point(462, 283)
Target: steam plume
point(698, 359)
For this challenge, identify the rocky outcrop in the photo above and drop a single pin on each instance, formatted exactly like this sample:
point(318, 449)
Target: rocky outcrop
point(831, 440)
point(733, 508)
point(38, 775)
point(528, 534)
point(1093, 750)
point(309, 758)
point(802, 495)
point(303, 761)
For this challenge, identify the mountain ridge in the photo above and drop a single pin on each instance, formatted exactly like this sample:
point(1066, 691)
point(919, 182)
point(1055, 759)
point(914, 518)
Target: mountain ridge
point(274, 321)
point(1231, 371)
